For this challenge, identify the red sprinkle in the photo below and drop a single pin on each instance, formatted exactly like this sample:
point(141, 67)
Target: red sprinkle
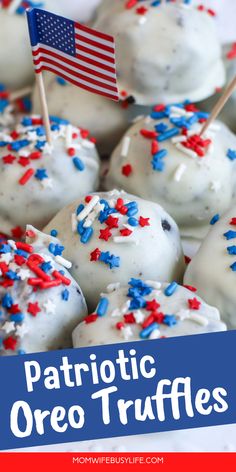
point(148, 134)
point(120, 325)
point(112, 222)
point(33, 308)
point(91, 318)
point(84, 133)
point(24, 246)
point(194, 304)
point(50, 284)
point(94, 256)
point(127, 170)
point(26, 177)
point(130, 4)
point(233, 222)
point(71, 152)
point(126, 232)
point(190, 287)
point(155, 147)
point(23, 161)
point(17, 232)
point(35, 155)
point(88, 198)
point(61, 277)
point(144, 221)
point(9, 159)
point(129, 318)
point(10, 343)
point(105, 234)
point(149, 320)
point(159, 107)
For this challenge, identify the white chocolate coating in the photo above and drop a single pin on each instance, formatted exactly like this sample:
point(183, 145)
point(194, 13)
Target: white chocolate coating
point(191, 189)
point(162, 55)
point(52, 326)
point(16, 69)
point(105, 119)
point(188, 321)
point(150, 252)
point(38, 201)
point(210, 270)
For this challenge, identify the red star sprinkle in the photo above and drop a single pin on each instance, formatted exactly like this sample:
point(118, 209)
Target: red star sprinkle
point(19, 260)
point(105, 234)
point(233, 222)
point(127, 170)
point(144, 221)
point(10, 343)
point(129, 318)
point(152, 305)
point(23, 161)
point(9, 159)
point(126, 232)
point(159, 317)
point(194, 304)
point(33, 308)
point(141, 10)
point(94, 256)
point(7, 283)
point(14, 309)
point(112, 222)
point(14, 133)
point(17, 232)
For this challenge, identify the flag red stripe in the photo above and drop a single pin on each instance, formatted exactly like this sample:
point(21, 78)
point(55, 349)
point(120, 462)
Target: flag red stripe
point(85, 87)
point(96, 54)
point(78, 56)
point(78, 66)
point(80, 37)
point(75, 74)
point(93, 32)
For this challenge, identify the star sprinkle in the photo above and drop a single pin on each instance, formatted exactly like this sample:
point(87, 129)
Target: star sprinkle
point(33, 308)
point(8, 327)
point(50, 307)
point(105, 234)
point(41, 174)
point(144, 221)
point(194, 304)
point(21, 330)
point(10, 343)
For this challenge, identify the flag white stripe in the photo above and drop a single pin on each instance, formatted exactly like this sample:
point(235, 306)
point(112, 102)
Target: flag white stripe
point(75, 61)
point(90, 56)
point(93, 48)
point(105, 42)
point(41, 56)
point(79, 81)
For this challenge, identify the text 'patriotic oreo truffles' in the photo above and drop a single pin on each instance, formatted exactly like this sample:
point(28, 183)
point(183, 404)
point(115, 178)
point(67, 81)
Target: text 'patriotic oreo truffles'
point(113, 236)
point(164, 51)
point(146, 310)
point(40, 302)
point(162, 158)
point(213, 268)
point(38, 179)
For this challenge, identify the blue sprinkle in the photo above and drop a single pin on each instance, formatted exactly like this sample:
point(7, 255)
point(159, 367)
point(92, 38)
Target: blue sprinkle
point(230, 234)
point(132, 211)
point(160, 154)
point(158, 115)
point(12, 275)
point(7, 301)
point(168, 134)
point(231, 250)
point(86, 236)
point(22, 253)
point(78, 163)
point(5, 248)
point(41, 174)
point(137, 302)
point(40, 131)
point(170, 320)
point(133, 221)
point(193, 119)
point(202, 115)
point(40, 145)
point(79, 209)
point(17, 317)
point(54, 233)
point(214, 219)
point(56, 249)
point(145, 333)
point(58, 120)
point(46, 266)
point(65, 295)
point(80, 228)
point(102, 307)
point(231, 154)
point(21, 352)
point(113, 261)
point(161, 127)
point(158, 165)
point(171, 289)
point(26, 121)
point(104, 256)
point(61, 81)
point(233, 267)
point(156, 3)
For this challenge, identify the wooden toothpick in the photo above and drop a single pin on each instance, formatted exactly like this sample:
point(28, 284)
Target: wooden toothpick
point(219, 105)
point(44, 106)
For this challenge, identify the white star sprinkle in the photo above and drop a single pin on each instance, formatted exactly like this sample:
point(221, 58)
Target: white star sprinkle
point(47, 183)
point(49, 307)
point(21, 330)
point(127, 332)
point(24, 274)
point(7, 258)
point(8, 327)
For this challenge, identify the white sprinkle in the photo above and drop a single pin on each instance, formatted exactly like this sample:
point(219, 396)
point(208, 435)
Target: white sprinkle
point(139, 316)
point(142, 20)
point(113, 287)
point(178, 139)
point(74, 223)
point(89, 207)
point(115, 313)
point(125, 146)
point(151, 283)
point(125, 240)
point(64, 262)
point(88, 144)
point(127, 332)
point(21, 330)
point(201, 320)
point(179, 172)
point(8, 327)
point(183, 314)
point(155, 334)
point(50, 307)
point(186, 151)
point(214, 127)
point(68, 136)
point(12, 244)
point(178, 110)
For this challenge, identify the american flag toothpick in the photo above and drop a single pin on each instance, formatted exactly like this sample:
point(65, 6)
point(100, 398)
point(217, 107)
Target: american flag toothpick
point(81, 55)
